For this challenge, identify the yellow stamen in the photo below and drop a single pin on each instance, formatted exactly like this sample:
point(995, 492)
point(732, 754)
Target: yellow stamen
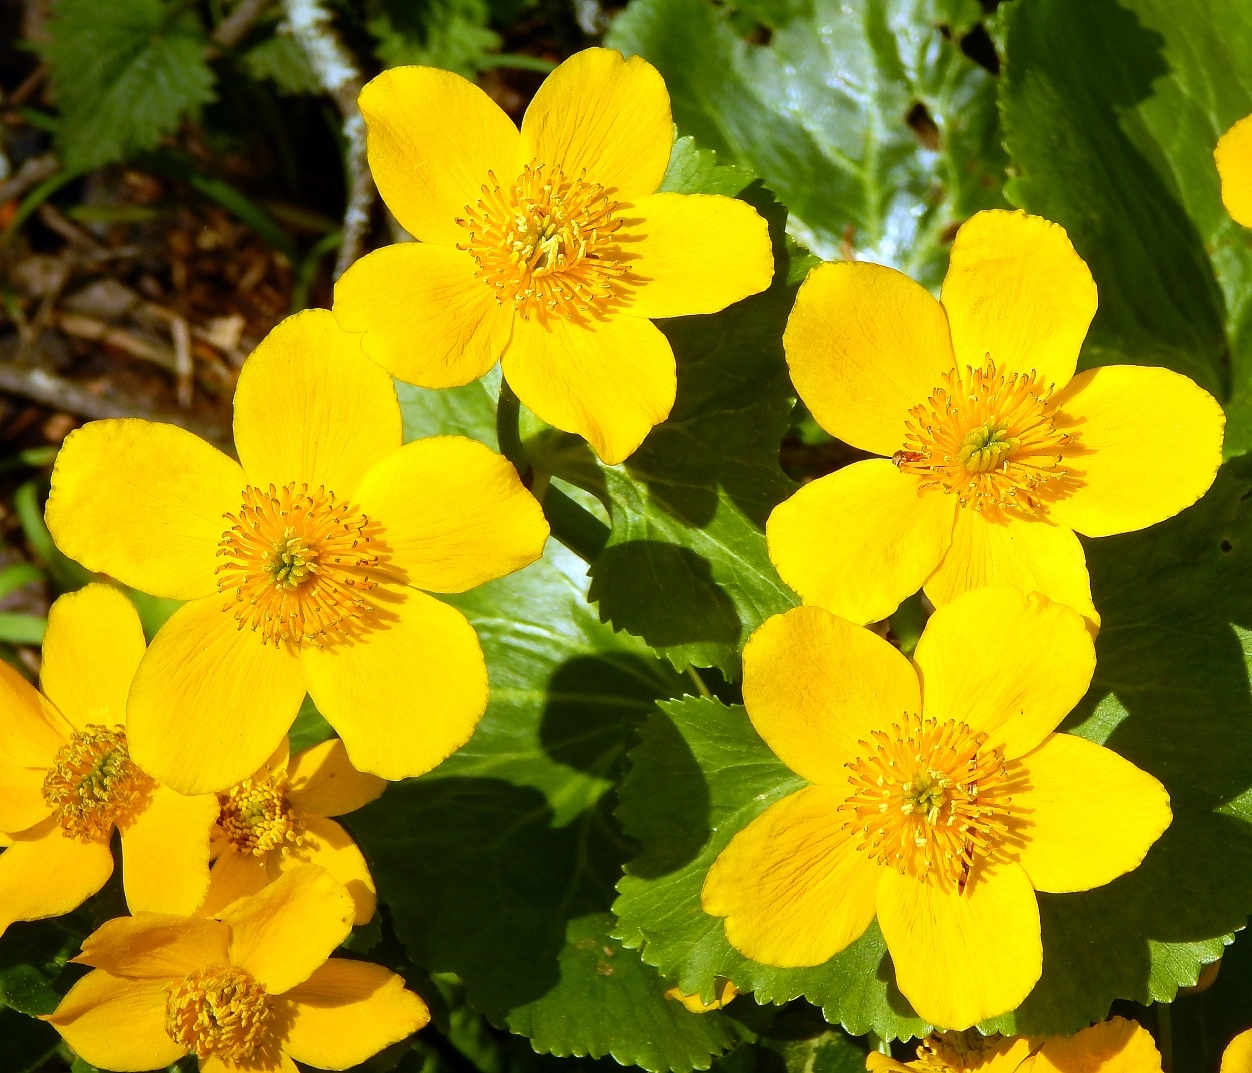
point(94, 786)
point(256, 816)
point(955, 1052)
point(219, 1013)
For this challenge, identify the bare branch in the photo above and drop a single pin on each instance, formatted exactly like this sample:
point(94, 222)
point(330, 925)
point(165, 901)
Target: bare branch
point(234, 28)
point(35, 170)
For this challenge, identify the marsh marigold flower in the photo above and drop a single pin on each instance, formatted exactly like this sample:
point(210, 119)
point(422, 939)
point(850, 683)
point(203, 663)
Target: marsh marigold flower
point(67, 780)
point(1234, 165)
point(279, 819)
point(939, 810)
point(995, 452)
point(548, 248)
point(306, 565)
point(251, 990)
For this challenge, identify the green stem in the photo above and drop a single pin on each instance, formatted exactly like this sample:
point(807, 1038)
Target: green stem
point(694, 675)
point(508, 413)
point(1165, 1035)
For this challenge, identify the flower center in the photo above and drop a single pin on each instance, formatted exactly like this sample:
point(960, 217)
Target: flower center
point(547, 244)
point(298, 564)
point(219, 1013)
point(256, 817)
point(94, 786)
point(956, 1052)
point(987, 437)
point(928, 799)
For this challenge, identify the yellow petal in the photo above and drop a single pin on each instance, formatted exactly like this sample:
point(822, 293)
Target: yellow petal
point(145, 503)
point(433, 138)
point(695, 253)
point(961, 958)
point(454, 514)
point(323, 782)
point(31, 729)
point(605, 118)
point(210, 701)
point(1032, 554)
point(165, 853)
point(349, 1010)
point(426, 317)
point(1005, 663)
point(406, 696)
point(792, 886)
point(1147, 444)
point(1234, 164)
point(1086, 815)
point(1016, 292)
point(1237, 1058)
point(156, 945)
point(91, 1019)
point(815, 685)
point(92, 646)
point(273, 1060)
point(860, 572)
point(608, 381)
point(282, 934)
point(884, 1063)
point(329, 846)
point(44, 874)
point(236, 875)
point(312, 408)
point(21, 794)
point(1113, 1046)
point(726, 991)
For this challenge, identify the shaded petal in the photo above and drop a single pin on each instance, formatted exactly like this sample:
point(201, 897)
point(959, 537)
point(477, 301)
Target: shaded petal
point(454, 513)
point(407, 695)
point(1237, 1057)
point(1147, 444)
point(91, 1016)
point(235, 875)
point(274, 1060)
point(45, 874)
point(21, 795)
point(144, 503)
point(310, 407)
point(608, 381)
point(165, 853)
point(1030, 553)
point(156, 945)
point(210, 701)
point(349, 1010)
point(860, 572)
point(1086, 815)
point(815, 686)
point(865, 344)
point(603, 117)
point(433, 138)
point(31, 729)
point(282, 934)
point(329, 846)
point(697, 253)
point(1034, 661)
point(792, 886)
point(933, 932)
point(1233, 156)
point(323, 782)
point(92, 646)
point(1113, 1046)
point(1017, 292)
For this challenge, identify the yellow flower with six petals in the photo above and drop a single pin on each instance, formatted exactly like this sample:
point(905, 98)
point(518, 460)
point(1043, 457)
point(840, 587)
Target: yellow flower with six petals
point(940, 798)
point(1234, 165)
point(548, 248)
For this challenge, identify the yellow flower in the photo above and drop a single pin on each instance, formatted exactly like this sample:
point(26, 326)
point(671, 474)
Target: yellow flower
point(996, 453)
point(1237, 1058)
point(548, 248)
point(939, 810)
point(67, 780)
point(1234, 165)
point(726, 992)
point(251, 991)
point(303, 564)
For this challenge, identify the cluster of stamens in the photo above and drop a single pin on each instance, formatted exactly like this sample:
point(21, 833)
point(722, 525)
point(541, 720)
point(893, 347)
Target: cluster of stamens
point(547, 244)
point(219, 1013)
point(987, 437)
point(956, 1052)
point(255, 817)
point(298, 564)
point(94, 786)
point(928, 799)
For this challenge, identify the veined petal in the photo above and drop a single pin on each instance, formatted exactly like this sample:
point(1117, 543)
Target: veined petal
point(1005, 663)
point(323, 782)
point(407, 695)
point(609, 381)
point(454, 513)
point(91, 649)
point(156, 946)
point(31, 729)
point(329, 846)
point(21, 794)
point(210, 701)
point(311, 408)
point(792, 886)
point(815, 686)
point(931, 933)
point(695, 253)
point(1237, 1057)
point(1147, 443)
point(865, 344)
point(1085, 816)
point(1233, 156)
point(145, 503)
point(236, 875)
point(1032, 554)
point(91, 1019)
point(165, 853)
point(603, 117)
point(1016, 292)
point(860, 572)
point(45, 874)
point(1113, 1046)
point(434, 138)
point(426, 317)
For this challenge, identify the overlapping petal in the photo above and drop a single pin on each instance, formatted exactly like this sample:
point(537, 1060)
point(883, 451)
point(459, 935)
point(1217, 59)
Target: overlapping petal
point(156, 946)
point(1113, 1046)
point(31, 729)
point(45, 874)
point(91, 1017)
point(323, 782)
point(327, 845)
point(21, 795)
point(165, 852)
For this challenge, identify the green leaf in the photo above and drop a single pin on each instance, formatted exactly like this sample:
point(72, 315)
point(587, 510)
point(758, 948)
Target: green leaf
point(822, 114)
point(125, 74)
point(281, 59)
